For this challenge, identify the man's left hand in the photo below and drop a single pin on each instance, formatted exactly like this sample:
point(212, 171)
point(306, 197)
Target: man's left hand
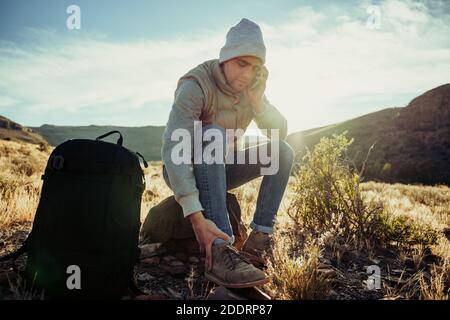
point(255, 95)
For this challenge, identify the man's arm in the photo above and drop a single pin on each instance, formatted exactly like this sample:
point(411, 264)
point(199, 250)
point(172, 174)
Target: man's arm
point(271, 118)
point(187, 107)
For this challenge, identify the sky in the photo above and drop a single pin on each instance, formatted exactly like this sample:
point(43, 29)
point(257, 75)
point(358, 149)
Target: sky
point(328, 61)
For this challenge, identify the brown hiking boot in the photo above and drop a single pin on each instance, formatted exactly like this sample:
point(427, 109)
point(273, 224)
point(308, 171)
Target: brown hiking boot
point(258, 248)
point(231, 270)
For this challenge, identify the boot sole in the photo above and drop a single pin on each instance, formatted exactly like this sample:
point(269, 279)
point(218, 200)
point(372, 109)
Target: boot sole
point(216, 280)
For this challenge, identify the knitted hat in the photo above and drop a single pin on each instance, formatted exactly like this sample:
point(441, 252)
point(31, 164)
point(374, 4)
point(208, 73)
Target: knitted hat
point(244, 39)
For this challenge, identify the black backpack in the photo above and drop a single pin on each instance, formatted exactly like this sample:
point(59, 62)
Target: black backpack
point(84, 240)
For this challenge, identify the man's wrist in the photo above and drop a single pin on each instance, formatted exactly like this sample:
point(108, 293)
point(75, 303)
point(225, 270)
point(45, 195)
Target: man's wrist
point(196, 217)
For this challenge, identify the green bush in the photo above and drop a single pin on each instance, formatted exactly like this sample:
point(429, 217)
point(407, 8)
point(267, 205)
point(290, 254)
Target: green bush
point(328, 198)
point(404, 231)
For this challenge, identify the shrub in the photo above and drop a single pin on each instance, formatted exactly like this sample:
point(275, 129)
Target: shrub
point(327, 196)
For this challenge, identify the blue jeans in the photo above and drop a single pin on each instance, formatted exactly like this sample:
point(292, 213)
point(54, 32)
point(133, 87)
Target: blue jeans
point(214, 180)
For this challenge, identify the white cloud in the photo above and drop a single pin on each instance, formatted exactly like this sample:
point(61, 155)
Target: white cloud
point(319, 62)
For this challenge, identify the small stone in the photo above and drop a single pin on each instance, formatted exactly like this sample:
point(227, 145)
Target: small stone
point(150, 250)
point(176, 271)
point(168, 259)
point(145, 277)
point(151, 261)
point(176, 263)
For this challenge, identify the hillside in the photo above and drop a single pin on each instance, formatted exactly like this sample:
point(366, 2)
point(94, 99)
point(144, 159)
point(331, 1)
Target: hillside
point(411, 144)
point(146, 140)
point(12, 131)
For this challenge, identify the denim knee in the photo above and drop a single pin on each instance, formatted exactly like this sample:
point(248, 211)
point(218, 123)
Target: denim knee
point(222, 132)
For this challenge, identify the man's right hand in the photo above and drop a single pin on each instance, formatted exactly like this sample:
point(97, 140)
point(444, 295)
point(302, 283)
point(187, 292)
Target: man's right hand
point(206, 232)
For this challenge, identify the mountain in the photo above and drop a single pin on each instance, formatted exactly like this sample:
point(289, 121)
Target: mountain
point(146, 140)
point(411, 144)
point(10, 130)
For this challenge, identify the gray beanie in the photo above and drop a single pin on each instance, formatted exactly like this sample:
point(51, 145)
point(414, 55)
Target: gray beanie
point(244, 39)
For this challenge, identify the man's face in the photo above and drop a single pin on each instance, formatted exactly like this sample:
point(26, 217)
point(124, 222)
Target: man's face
point(240, 72)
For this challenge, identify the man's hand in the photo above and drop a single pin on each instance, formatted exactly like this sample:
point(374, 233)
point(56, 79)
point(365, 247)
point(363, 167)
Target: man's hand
point(256, 94)
point(206, 232)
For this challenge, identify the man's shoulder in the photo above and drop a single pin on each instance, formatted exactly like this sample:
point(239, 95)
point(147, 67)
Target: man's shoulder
point(189, 86)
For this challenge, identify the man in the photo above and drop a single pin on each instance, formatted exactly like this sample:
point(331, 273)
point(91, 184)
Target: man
point(228, 93)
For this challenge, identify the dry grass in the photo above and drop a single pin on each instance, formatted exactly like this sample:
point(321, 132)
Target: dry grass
point(294, 271)
point(295, 275)
point(21, 167)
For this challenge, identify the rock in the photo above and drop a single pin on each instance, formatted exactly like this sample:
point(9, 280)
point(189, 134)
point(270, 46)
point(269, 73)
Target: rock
point(20, 236)
point(168, 259)
point(151, 261)
point(145, 277)
point(155, 270)
point(176, 263)
point(193, 260)
point(150, 250)
point(176, 271)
